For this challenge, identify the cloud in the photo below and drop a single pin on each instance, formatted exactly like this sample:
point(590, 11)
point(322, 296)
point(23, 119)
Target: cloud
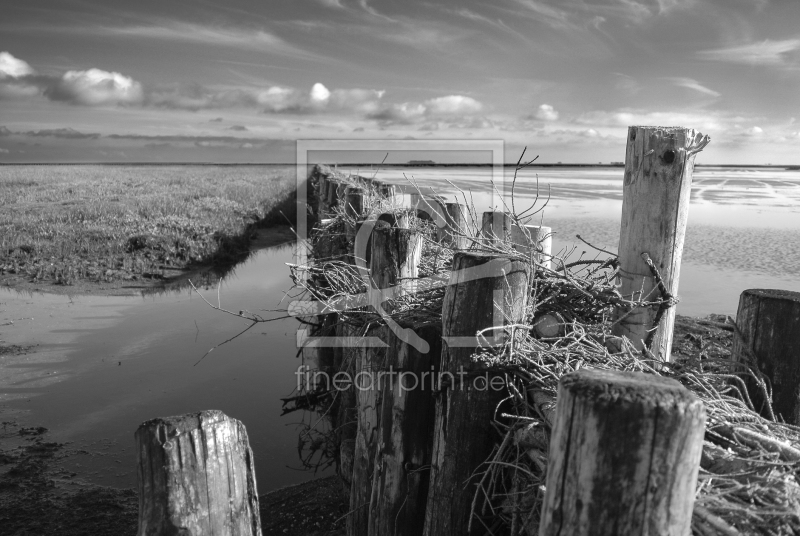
point(319, 93)
point(337, 4)
point(403, 114)
point(764, 53)
point(215, 120)
point(690, 83)
point(237, 128)
point(95, 87)
point(275, 99)
point(4, 151)
point(11, 67)
point(451, 108)
point(65, 133)
point(186, 32)
point(453, 104)
point(17, 78)
point(546, 113)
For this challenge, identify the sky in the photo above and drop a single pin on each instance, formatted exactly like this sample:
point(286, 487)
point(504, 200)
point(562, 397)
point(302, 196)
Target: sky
point(243, 80)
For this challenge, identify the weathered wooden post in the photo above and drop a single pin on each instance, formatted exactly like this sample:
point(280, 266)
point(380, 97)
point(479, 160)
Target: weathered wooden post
point(322, 190)
point(333, 193)
point(196, 477)
point(394, 262)
point(539, 237)
point(484, 290)
point(405, 436)
point(768, 339)
point(386, 193)
point(655, 206)
point(353, 208)
point(455, 233)
point(624, 456)
point(496, 227)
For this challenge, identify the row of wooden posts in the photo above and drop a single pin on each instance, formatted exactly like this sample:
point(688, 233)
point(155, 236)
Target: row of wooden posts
point(408, 456)
point(625, 447)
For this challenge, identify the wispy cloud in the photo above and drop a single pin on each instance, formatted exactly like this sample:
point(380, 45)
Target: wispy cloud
point(763, 53)
point(690, 83)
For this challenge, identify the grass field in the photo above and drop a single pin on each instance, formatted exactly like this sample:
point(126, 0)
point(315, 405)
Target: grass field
point(65, 224)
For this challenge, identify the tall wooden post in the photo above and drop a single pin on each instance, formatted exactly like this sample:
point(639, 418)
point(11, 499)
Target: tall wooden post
point(496, 227)
point(536, 239)
point(481, 286)
point(394, 262)
point(655, 206)
point(405, 436)
point(768, 339)
point(456, 230)
point(196, 477)
point(624, 456)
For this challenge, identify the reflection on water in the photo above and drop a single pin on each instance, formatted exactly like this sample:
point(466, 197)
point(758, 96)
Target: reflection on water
point(744, 223)
point(106, 364)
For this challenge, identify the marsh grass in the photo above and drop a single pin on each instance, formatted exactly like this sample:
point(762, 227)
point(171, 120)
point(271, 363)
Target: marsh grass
point(104, 223)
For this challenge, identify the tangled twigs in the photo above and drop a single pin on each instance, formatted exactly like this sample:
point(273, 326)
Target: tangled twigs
point(667, 299)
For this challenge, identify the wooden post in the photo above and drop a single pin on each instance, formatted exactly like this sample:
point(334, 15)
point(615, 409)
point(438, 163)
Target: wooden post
point(354, 208)
point(405, 436)
point(496, 227)
point(388, 192)
point(655, 206)
point(333, 193)
point(196, 477)
point(455, 233)
point(624, 456)
point(395, 256)
point(538, 236)
point(485, 290)
point(768, 339)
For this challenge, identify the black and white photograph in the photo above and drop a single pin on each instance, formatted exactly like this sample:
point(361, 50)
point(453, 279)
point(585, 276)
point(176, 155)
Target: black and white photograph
point(400, 268)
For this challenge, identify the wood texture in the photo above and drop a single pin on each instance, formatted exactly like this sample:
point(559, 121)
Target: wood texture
point(196, 477)
point(496, 227)
point(768, 339)
point(463, 430)
point(405, 437)
point(395, 257)
point(333, 193)
point(624, 456)
point(659, 162)
point(455, 234)
point(354, 208)
point(536, 240)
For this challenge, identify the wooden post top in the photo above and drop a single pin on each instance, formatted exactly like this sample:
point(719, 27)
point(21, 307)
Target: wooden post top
point(628, 386)
point(775, 294)
point(185, 423)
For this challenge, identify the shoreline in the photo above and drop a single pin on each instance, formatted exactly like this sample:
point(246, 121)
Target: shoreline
point(260, 238)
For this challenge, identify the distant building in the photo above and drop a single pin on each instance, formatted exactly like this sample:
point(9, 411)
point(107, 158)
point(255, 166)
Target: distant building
point(617, 163)
point(421, 163)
